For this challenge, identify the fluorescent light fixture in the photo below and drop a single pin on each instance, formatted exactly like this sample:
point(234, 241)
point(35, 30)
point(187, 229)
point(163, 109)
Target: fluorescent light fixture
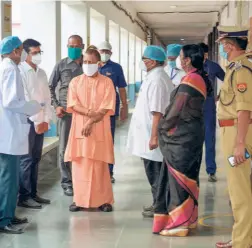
point(173, 6)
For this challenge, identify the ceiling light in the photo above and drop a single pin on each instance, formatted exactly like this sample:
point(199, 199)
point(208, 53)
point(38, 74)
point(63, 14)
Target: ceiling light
point(182, 39)
point(173, 6)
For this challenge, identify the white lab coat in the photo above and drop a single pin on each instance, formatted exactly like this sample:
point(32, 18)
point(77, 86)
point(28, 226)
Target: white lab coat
point(175, 75)
point(154, 96)
point(36, 88)
point(14, 110)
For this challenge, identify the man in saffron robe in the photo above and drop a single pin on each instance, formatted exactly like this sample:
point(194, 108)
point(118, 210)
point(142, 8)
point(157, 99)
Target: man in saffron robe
point(91, 99)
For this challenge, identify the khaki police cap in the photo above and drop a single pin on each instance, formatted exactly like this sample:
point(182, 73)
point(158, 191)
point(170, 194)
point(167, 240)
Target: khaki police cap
point(232, 32)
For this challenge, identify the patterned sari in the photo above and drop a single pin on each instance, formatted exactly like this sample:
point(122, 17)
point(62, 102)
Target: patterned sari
point(181, 137)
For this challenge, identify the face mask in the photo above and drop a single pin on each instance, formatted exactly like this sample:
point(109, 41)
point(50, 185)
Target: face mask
point(178, 63)
point(74, 52)
point(223, 54)
point(36, 59)
point(172, 64)
point(105, 57)
point(23, 56)
point(90, 69)
point(142, 66)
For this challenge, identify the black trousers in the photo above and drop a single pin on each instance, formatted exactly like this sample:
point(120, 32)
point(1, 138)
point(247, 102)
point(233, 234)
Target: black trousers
point(152, 169)
point(29, 166)
point(113, 127)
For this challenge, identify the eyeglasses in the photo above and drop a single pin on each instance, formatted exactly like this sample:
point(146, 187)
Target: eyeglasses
point(35, 53)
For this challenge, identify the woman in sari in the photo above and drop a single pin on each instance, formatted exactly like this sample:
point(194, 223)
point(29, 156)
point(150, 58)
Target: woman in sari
point(181, 136)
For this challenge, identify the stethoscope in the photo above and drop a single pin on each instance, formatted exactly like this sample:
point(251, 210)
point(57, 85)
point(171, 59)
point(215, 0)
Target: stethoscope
point(173, 76)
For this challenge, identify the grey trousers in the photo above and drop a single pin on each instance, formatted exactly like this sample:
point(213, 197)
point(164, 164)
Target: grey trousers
point(152, 169)
point(64, 126)
point(9, 184)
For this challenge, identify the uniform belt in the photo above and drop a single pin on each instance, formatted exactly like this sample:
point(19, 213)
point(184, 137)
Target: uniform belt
point(230, 123)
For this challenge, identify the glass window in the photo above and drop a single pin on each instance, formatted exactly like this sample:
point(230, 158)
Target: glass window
point(114, 40)
point(132, 48)
point(144, 45)
point(124, 55)
point(138, 59)
point(97, 27)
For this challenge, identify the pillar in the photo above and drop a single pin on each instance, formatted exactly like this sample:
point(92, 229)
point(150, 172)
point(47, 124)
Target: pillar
point(42, 21)
point(107, 28)
point(87, 25)
point(6, 19)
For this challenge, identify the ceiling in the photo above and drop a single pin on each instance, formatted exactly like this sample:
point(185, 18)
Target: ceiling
point(179, 21)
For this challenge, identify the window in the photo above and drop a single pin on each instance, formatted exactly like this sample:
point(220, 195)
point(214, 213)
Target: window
point(114, 40)
point(97, 27)
point(124, 51)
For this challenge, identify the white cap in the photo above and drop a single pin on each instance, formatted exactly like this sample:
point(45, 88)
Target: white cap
point(105, 45)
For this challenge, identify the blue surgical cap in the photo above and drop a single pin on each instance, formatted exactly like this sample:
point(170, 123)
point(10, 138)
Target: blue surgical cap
point(173, 50)
point(8, 44)
point(155, 53)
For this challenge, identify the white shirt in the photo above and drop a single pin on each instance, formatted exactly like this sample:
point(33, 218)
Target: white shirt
point(36, 88)
point(175, 75)
point(154, 96)
point(14, 110)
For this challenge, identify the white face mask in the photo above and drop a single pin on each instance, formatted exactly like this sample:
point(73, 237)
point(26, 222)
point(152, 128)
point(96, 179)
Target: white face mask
point(178, 63)
point(23, 56)
point(142, 66)
point(105, 57)
point(90, 69)
point(36, 59)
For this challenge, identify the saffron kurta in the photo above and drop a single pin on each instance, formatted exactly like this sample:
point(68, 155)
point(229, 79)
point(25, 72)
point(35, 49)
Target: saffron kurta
point(91, 155)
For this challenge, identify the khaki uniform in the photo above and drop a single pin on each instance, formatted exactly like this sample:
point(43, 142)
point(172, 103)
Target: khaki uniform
point(236, 95)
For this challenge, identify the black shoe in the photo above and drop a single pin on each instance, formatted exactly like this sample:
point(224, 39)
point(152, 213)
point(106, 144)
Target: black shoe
point(148, 214)
point(29, 203)
point(74, 208)
point(19, 221)
point(68, 191)
point(112, 179)
point(150, 208)
point(106, 208)
point(41, 200)
point(10, 229)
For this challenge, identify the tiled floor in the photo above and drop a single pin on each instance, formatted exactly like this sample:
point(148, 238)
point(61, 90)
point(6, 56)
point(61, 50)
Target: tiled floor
point(55, 227)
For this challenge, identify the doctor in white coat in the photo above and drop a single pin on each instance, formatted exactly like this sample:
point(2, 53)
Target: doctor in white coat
point(14, 129)
point(175, 74)
point(154, 97)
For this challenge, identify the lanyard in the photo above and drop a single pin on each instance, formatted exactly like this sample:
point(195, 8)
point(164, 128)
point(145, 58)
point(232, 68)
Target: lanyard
point(173, 76)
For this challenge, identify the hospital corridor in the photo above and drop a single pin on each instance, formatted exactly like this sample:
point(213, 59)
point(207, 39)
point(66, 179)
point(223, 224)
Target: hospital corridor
point(54, 226)
point(125, 124)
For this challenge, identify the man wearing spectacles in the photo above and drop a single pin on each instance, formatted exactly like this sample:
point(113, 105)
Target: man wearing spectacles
point(36, 88)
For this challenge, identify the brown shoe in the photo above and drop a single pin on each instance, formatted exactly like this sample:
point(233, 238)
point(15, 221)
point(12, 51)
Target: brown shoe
point(224, 245)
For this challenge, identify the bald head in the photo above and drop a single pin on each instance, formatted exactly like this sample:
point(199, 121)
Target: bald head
point(75, 41)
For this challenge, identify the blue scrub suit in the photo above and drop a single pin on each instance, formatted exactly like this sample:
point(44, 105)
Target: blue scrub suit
point(9, 184)
point(115, 73)
point(214, 71)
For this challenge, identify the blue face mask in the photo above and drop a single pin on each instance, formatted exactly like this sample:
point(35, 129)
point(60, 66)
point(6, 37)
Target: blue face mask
point(172, 64)
point(223, 54)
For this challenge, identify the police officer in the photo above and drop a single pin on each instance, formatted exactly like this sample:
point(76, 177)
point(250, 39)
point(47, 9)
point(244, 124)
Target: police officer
point(213, 71)
point(115, 73)
point(234, 114)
